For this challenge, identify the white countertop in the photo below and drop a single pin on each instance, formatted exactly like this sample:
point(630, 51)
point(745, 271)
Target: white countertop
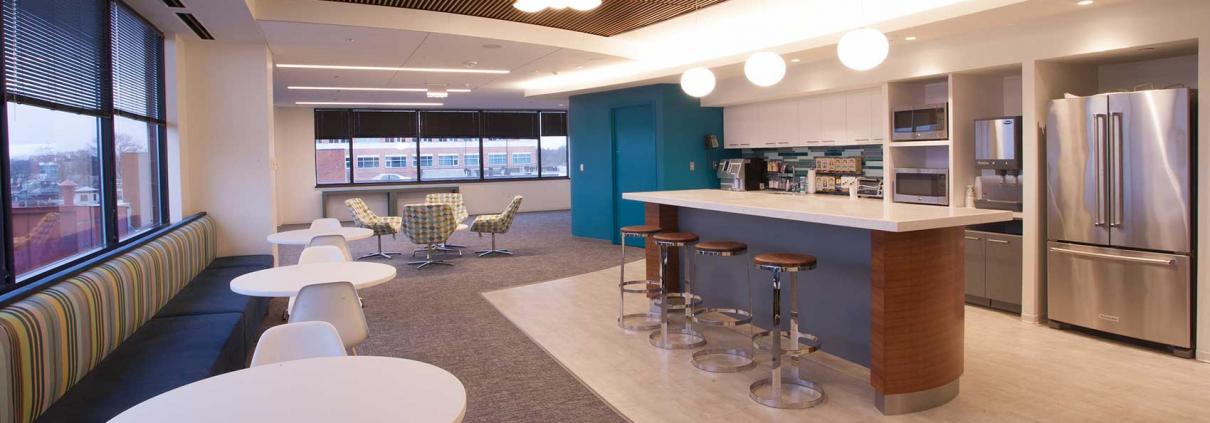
point(863, 213)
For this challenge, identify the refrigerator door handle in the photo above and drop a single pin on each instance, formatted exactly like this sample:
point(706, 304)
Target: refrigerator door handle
point(1115, 178)
point(1089, 254)
point(1099, 127)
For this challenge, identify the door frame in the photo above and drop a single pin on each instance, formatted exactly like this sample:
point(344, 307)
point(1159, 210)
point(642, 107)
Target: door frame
point(615, 194)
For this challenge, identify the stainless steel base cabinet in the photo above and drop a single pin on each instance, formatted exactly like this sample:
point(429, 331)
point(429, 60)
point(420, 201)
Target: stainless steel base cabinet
point(1137, 294)
point(993, 270)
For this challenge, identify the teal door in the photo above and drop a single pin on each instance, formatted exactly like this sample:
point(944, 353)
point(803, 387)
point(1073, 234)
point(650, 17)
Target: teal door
point(634, 163)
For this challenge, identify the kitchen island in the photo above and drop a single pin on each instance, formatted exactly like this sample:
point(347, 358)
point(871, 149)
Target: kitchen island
point(887, 293)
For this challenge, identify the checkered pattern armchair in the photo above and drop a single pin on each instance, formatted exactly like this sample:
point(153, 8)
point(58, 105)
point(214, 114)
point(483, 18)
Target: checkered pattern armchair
point(429, 225)
point(454, 200)
point(497, 224)
point(363, 217)
point(381, 225)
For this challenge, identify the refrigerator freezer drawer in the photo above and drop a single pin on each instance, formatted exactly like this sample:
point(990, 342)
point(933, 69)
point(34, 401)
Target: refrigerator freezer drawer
point(1131, 293)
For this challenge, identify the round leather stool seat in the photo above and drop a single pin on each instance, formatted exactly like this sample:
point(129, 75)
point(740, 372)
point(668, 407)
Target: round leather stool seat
point(678, 238)
point(786, 261)
point(641, 229)
point(721, 248)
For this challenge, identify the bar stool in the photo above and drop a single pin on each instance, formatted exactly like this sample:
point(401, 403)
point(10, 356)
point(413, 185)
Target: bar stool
point(636, 321)
point(777, 391)
point(684, 337)
point(723, 359)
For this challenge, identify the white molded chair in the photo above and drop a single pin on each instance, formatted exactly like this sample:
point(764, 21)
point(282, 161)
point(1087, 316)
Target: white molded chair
point(323, 254)
point(337, 241)
point(325, 223)
point(335, 303)
point(296, 341)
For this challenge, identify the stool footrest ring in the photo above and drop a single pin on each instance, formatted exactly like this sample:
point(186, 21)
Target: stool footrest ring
point(807, 343)
point(678, 339)
point(793, 393)
point(678, 300)
point(731, 316)
point(723, 360)
point(651, 287)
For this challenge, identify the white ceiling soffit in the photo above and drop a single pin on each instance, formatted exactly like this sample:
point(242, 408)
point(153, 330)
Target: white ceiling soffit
point(310, 43)
point(227, 20)
point(728, 33)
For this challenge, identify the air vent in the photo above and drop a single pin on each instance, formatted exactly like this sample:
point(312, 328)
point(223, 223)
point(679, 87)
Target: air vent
point(195, 25)
point(174, 3)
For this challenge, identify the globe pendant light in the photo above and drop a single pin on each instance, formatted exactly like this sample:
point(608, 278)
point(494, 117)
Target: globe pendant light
point(530, 6)
point(558, 4)
point(765, 69)
point(697, 82)
point(863, 49)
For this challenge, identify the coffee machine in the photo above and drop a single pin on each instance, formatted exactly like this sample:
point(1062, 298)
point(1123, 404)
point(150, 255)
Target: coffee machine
point(998, 161)
point(742, 174)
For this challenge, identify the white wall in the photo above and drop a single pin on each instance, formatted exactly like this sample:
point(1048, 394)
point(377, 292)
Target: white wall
point(299, 201)
point(221, 140)
point(1160, 73)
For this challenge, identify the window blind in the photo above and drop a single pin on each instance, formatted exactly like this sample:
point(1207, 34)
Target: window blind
point(331, 124)
point(376, 124)
point(511, 125)
point(53, 51)
point(449, 124)
point(136, 64)
point(554, 124)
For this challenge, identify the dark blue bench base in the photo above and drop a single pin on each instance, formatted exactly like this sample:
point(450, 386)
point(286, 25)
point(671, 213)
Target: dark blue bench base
point(205, 330)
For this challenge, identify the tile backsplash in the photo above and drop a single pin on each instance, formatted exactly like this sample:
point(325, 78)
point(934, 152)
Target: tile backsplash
point(802, 159)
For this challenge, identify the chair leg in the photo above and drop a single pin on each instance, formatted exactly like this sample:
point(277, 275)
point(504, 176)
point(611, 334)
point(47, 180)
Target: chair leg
point(494, 250)
point(380, 253)
point(428, 259)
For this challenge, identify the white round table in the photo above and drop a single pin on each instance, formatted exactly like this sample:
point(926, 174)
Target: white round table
point(303, 236)
point(334, 389)
point(285, 281)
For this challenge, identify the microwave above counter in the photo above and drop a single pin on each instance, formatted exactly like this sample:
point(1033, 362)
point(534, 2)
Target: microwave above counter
point(920, 123)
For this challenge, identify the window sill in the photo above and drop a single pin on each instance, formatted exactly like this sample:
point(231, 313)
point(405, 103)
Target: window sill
point(451, 182)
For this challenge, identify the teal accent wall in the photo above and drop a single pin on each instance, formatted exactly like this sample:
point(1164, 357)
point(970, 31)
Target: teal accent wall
point(680, 124)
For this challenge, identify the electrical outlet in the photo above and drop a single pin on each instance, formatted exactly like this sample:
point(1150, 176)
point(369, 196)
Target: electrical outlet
point(581, 167)
point(692, 166)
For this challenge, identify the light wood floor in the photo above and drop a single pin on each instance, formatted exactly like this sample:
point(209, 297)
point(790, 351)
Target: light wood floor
point(1014, 371)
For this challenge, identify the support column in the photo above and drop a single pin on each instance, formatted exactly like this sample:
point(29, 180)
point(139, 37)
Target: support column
point(916, 320)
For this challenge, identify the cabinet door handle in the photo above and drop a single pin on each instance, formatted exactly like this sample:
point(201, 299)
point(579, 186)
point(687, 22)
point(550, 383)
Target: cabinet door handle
point(998, 241)
point(861, 139)
point(972, 238)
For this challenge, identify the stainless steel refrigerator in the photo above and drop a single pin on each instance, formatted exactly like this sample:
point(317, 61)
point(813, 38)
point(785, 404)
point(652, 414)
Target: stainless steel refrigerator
point(1120, 214)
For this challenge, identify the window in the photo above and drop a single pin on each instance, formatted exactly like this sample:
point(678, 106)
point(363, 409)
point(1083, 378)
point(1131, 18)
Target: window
point(397, 161)
point(442, 145)
point(83, 98)
point(367, 162)
point(554, 145)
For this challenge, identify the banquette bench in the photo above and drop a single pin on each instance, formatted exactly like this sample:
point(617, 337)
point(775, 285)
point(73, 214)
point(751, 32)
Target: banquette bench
point(154, 317)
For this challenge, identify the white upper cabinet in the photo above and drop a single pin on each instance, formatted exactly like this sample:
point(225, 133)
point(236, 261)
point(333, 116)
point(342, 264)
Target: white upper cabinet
point(846, 118)
point(857, 117)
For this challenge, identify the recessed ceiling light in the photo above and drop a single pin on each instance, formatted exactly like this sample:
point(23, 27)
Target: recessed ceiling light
point(1084, 3)
point(470, 64)
point(406, 90)
point(394, 69)
point(795, 60)
point(492, 46)
point(360, 103)
point(910, 38)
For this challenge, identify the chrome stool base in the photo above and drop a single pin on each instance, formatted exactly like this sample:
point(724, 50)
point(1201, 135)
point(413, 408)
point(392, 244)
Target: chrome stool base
point(787, 392)
point(723, 360)
point(678, 339)
point(639, 321)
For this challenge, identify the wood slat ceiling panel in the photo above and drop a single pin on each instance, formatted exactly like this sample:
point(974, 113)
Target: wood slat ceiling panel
point(613, 17)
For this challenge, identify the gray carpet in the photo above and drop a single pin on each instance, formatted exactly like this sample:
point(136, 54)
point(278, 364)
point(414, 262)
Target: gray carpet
point(436, 315)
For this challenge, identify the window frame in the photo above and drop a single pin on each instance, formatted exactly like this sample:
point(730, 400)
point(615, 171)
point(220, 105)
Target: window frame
point(13, 285)
point(535, 157)
point(377, 162)
point(387, 158)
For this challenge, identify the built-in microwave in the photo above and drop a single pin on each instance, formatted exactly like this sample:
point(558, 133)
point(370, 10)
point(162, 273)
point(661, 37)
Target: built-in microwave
point(920, 123)
point(922, 186)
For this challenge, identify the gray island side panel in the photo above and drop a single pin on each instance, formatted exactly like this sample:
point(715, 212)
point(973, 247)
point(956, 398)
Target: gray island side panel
point(833, 299)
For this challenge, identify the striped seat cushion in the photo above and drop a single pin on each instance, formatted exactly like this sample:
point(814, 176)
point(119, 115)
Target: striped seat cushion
point(51, 339)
